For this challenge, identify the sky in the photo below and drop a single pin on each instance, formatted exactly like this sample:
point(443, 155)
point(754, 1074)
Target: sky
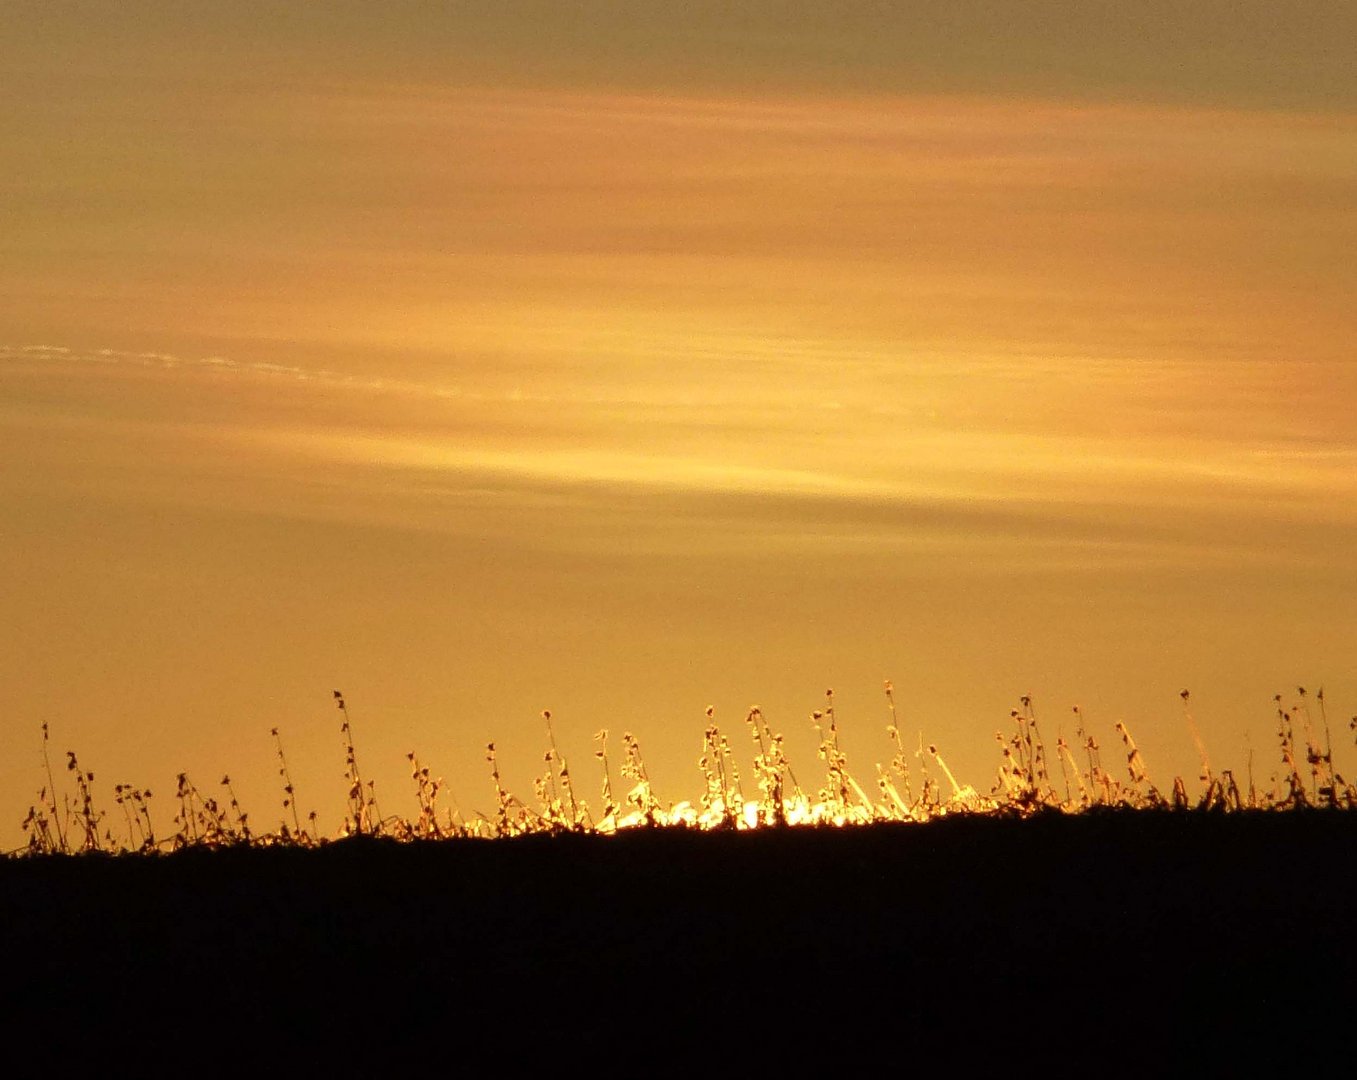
point(626, 359)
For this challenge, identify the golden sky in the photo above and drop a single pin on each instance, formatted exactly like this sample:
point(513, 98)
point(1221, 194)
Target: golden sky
point(626, 359)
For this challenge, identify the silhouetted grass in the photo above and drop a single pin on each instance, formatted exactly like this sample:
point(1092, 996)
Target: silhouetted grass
point(916, 787)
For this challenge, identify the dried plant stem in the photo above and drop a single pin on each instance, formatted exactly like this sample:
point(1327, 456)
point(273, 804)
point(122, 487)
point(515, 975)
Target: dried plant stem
point(1197, 740)
point(364, 816)
point(289, 791)
point(52, 790)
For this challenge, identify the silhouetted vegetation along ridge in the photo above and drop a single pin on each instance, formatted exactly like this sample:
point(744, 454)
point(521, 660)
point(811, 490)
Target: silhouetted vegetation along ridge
point(755, 791)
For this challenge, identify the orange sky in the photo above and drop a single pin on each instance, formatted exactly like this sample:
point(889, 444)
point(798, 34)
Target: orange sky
point(481, 363)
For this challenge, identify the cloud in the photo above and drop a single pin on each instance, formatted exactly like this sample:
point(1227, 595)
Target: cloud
point(259, 369)
point(1075, 431)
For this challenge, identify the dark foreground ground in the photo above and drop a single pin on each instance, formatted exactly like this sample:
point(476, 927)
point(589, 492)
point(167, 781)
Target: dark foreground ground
point(1135, 934)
